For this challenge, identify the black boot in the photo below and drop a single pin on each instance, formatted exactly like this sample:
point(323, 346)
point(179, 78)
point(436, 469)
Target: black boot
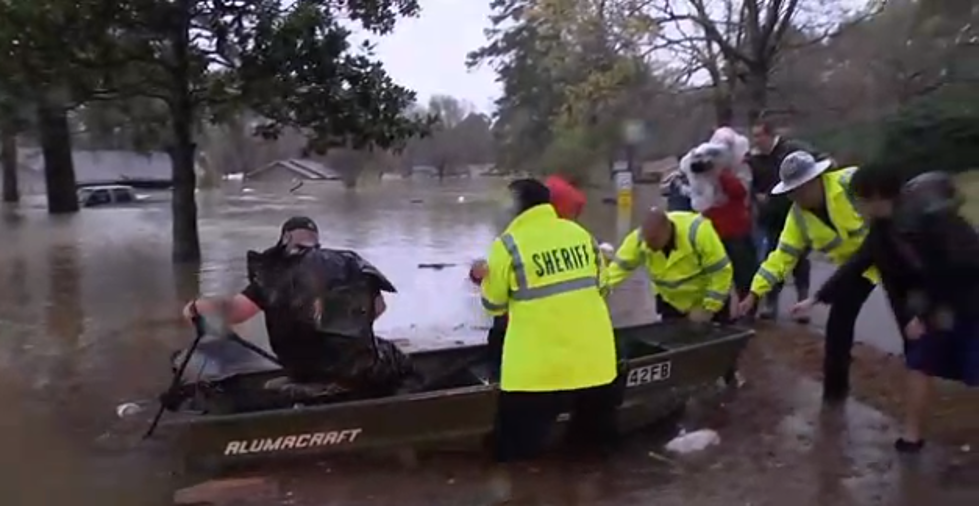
point(835, 389)
point(769, 311)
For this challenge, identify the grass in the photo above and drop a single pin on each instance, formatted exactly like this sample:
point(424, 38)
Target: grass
point(969, 186)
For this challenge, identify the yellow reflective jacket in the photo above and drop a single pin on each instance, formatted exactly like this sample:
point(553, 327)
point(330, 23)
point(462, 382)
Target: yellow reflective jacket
point(546, 273)
point(696, 274)
point(803, 231)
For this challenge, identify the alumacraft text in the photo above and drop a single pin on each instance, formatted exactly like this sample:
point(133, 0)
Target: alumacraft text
point(293, 442)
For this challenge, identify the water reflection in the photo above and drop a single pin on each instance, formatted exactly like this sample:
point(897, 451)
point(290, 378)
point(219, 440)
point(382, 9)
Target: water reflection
point(64, 315)
point(830, 464)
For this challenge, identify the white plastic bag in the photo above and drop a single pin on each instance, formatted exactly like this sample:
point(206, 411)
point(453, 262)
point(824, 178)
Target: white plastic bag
point(695, 441)
point(705, 190)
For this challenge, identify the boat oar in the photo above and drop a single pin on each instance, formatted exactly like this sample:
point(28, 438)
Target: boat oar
point(437, 266)
point(178, 375)
point(232, 336)
point(460, 366)
point(241, 341)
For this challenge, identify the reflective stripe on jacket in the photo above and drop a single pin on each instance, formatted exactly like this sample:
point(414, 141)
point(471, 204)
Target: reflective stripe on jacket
point(803, 230)
point(546, 273)
point(696, 274)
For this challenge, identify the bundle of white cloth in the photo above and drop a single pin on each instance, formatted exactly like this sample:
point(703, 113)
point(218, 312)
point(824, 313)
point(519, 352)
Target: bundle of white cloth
point(725, 149)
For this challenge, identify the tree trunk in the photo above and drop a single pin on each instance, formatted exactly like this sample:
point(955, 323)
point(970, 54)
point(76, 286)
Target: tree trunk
point(59, 170)
point(756, 85)
point(186, 242)
point(723, 108)
point(8, 158)
point(65, 319)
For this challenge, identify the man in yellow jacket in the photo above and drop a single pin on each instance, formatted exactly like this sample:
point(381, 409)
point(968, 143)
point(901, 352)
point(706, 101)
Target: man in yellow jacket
point(559, 353)
point(687, 265)
point(686, 262)
point(824, 219)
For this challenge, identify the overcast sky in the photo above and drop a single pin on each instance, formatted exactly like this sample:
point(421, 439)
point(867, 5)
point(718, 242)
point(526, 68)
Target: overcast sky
point(428, 53)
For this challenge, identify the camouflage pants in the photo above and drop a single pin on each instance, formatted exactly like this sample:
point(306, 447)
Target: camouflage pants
point(369, 364)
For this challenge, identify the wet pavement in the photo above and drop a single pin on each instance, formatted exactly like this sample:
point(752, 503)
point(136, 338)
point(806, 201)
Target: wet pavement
point(778, 446)
point(88, 314)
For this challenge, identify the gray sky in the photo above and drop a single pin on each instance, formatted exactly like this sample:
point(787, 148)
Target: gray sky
point(428, 53)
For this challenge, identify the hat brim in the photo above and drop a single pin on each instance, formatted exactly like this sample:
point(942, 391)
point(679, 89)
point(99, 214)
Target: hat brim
point(817, 169)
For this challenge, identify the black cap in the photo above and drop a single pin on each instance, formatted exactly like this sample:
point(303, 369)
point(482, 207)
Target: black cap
point(529, 193)
point(299, 223)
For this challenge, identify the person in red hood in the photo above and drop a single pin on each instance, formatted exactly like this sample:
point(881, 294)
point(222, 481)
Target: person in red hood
point(566, 198)
point(568, 201)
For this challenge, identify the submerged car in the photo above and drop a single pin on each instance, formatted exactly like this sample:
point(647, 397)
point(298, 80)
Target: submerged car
point(107, 195)
point(233, 405)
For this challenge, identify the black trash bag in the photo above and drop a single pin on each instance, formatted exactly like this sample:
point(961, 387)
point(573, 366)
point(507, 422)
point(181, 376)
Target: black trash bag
point(331, 293)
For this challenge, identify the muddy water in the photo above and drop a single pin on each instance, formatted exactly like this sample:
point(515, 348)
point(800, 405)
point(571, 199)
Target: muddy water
point(88, 305)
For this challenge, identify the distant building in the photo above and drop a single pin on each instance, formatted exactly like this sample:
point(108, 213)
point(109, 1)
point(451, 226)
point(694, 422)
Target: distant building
point(483, 170)
point(423, 171)
point(292, 169)
point(92, 168)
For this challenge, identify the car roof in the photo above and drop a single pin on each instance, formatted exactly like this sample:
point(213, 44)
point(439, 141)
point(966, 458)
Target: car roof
point(107, 187)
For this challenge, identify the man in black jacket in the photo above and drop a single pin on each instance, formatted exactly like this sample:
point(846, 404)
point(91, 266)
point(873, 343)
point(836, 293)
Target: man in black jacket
point(928, 258)
point(767, 152)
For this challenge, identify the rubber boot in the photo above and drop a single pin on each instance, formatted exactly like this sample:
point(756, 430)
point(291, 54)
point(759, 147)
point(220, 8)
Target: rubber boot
point(801, 295)
point(770, 309)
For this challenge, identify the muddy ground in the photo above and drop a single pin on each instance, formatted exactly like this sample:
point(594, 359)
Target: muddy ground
point(877, 378)
point(779, 446)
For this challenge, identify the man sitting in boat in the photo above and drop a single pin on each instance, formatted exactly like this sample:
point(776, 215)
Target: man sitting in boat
point(320, 306)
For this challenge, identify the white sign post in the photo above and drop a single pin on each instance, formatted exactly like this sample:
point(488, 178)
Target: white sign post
point(623, 193)
point(623, 184)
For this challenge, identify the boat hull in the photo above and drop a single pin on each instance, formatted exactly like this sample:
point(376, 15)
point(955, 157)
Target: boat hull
point(665, 365)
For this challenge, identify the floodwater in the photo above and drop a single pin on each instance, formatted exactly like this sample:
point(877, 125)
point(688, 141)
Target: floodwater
point(89, 309)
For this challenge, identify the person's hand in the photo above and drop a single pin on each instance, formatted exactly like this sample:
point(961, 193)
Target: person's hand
point(914, 329)
point(747, 304)
point(699, 315)
point(479, 270)
point(803, 307)
point(607, 250)
point(190, 310)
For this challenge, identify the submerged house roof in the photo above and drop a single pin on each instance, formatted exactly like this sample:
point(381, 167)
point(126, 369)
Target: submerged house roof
point(302, 168)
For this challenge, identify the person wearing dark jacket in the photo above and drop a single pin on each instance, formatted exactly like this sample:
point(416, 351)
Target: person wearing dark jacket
point(768, 151)
point(320, 306)
point(928, 258)
point(676, 189)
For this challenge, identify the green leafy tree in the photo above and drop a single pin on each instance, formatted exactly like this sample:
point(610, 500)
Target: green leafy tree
point(291, 62)
point(532, 95)
point(569, 69)
point(38, 70)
